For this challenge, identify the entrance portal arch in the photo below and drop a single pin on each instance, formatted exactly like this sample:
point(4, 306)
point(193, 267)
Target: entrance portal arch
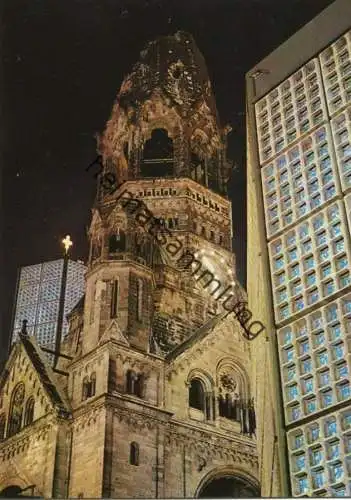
point(12, 491)
point(228, 483)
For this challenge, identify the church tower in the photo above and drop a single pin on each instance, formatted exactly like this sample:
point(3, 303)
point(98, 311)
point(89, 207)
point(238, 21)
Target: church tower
point(155, 369)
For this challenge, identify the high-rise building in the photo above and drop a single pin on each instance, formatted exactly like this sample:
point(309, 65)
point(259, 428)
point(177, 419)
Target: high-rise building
point(299, 255)
point(39, 296)
point(151, 397)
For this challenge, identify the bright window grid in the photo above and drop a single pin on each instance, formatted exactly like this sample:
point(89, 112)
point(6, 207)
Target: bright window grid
point(299, 100)
point(320, 453)
point(341, 128)
point(299, 181)
point(309, 348)
point(303, 256)
point(335, 62)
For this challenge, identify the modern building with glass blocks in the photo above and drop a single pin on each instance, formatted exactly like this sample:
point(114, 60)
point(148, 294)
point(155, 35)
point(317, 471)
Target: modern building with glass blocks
point(299, 203)
point(39, 295)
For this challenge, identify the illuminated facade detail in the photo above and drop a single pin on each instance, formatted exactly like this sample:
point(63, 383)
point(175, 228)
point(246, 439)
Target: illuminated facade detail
point(38, 298)
point(151, 397)
point(299, 141)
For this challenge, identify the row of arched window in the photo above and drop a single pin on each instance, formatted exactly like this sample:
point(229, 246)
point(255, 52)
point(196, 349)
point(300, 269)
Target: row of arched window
point(21, 413)
point(235, 409)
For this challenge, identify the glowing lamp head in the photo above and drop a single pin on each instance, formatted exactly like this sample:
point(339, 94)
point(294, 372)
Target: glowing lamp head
point(67, 243)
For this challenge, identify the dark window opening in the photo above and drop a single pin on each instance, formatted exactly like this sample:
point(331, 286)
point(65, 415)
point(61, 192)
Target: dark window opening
point(196, 395)
point(135, 384)
point(158, 157)
point(134, 454)
point(2, 427)
point(197, 168)
point(89, 386)
point(114, 299)
point(117, 243)
point(16, 409)
point(29, 412)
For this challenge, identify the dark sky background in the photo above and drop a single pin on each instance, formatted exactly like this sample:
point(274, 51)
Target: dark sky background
point(63, 63)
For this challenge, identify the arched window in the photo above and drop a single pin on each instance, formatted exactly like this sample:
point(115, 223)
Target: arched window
point(85, 388)
point(131, 378)
point(16, 409)
point(92, 384)
point(134, 454)
point(157, 158)
point(117, 242)
point(2, 427)
point(29, 412)
point(196, 395)
point(139, 299)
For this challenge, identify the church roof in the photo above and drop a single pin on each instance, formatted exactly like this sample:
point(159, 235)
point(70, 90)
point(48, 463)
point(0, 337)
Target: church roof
point(199, 334)
point(45, 373)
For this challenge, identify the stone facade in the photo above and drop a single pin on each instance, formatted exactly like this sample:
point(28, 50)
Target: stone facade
point(152, 395)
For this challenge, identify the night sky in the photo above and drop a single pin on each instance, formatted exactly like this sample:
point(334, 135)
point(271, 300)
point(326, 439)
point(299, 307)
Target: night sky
point(63, 63)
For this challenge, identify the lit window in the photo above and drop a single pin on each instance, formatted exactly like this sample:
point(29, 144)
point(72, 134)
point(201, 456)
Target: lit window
point(316, 456)
point(303, 231)
point(316, 321)
point(335, 331)
point(282, 295)
point(312, 296)
point(327, 398)
point(322, 358)
point(323, 149)
point(308, 385)
point(332, 313)
point(318, 479)
point(310, 405)
point(333, 213)
point(311, 279)
point(338, 351)
point(325, 163)
point(287, 336)
point(299, 462)
point(295, 413)
point(328, 288)
point(296, 288)
point(280, 279)
point(323, 254)
point(308, 263)
point(341, 263)
point(336, 471)
point(298, 304)
point(313, 433)
point(341, 371)
point(284, 312)
point(344, 280)
point(279, 263)
point(339, 246)
point(292, 392)
point(294, 271)
point(289, 354)
point(302, 485)
point(292, 254)
point(343, 391)
point(306, 366)
point(318, 223)
point(318, 339)
point(290, 239)
point(330, 427)
point(326, 271)
point(304, 347)
point(298, 441)
point(290, 373)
